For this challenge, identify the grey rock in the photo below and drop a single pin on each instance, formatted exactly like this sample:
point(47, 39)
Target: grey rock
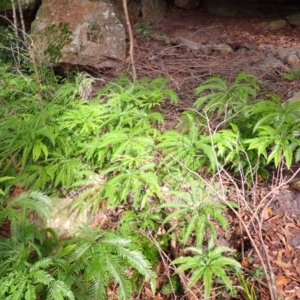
point(79, 32)
point(187, 4)
point(134, 10)
point(294, 19)
point(224, 48)
point(63, 220)
point(153, 10)
point(275, 25)
point(292, 60)
point(283, 53)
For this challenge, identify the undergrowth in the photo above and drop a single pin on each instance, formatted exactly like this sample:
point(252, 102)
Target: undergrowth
point(113, 147)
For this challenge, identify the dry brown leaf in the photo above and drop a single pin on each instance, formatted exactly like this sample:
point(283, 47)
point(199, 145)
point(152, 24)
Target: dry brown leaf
point(266, 214)
point(245, 262)
point(147, 291)
point(282, 280)
point(281, 264)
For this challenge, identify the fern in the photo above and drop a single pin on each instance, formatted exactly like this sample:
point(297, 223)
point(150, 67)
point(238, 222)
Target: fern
point(207, 265)
point(193, 149)
point(193, 210)
point(85, 119)
point(103, 256)
point(221, 97)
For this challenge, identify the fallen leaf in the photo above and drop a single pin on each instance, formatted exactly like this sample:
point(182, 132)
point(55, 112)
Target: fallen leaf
point(281, 264)
point(282, 280)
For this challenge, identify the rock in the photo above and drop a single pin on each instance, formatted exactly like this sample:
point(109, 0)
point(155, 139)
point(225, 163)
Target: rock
point(275, 25)
point(292, 60)
point(187, 4)
point(134, 10)
point(294, 19)
point(296, 97)
point(271, 62)
point(79, 32)
point(223, 10)
point(153, 10)
point(206, 49)
point(224, 48)
point(265, 47)
point(248, 46)
point(64, 221)
point(283, 53)
point(242, 50)
point(263, 25)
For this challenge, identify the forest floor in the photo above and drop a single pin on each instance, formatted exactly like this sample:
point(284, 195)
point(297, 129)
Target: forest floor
point(158, 54)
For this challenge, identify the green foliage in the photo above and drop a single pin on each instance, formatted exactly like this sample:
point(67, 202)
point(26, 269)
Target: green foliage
point(144, 31)
point(12, 49)
point(35, 264)
point(252, 135)
point(24, 265)
point(143, 93)
point(291, 75)
point(227, 99)
point(103, 258)
point(58, 35)
point(194, 212)
point(277, 131)
point(4, 179)
point(172, 286)
point(247, 290)
point(190, 149)
point(108, 148)
point(207, 265)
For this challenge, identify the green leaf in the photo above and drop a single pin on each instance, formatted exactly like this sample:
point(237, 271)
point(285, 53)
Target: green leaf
point(30, 292)
point(207, 281)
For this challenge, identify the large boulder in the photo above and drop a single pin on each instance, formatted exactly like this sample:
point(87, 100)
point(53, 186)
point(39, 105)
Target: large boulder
point(79, 32)
point(153, 10)
point(147, 11)
point(134, 10)
point(294, 19)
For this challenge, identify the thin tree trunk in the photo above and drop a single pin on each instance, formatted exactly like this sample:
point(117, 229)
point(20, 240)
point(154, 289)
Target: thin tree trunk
point(13, 5)
point(22, 19)
point(131, 41)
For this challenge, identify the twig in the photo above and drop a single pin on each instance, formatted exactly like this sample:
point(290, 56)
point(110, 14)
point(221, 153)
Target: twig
point(131, 41)
point(189, 294)
point(15, 25)
point(22, 19)
point(38, 81)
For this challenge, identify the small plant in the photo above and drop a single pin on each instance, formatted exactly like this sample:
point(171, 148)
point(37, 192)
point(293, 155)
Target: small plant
point(143, 29)
point(291, 75)
point(247, 290)
point(191, 214)
point(207, 266)
point(228, 99)
point(190, 149)
point(277, 131)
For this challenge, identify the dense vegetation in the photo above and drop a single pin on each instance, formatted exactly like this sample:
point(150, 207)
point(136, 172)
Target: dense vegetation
point(112, 146)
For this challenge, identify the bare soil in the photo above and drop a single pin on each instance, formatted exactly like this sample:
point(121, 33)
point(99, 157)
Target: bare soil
point(252, 47)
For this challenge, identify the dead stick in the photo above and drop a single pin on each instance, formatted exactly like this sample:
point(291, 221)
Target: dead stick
point(131, 41)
